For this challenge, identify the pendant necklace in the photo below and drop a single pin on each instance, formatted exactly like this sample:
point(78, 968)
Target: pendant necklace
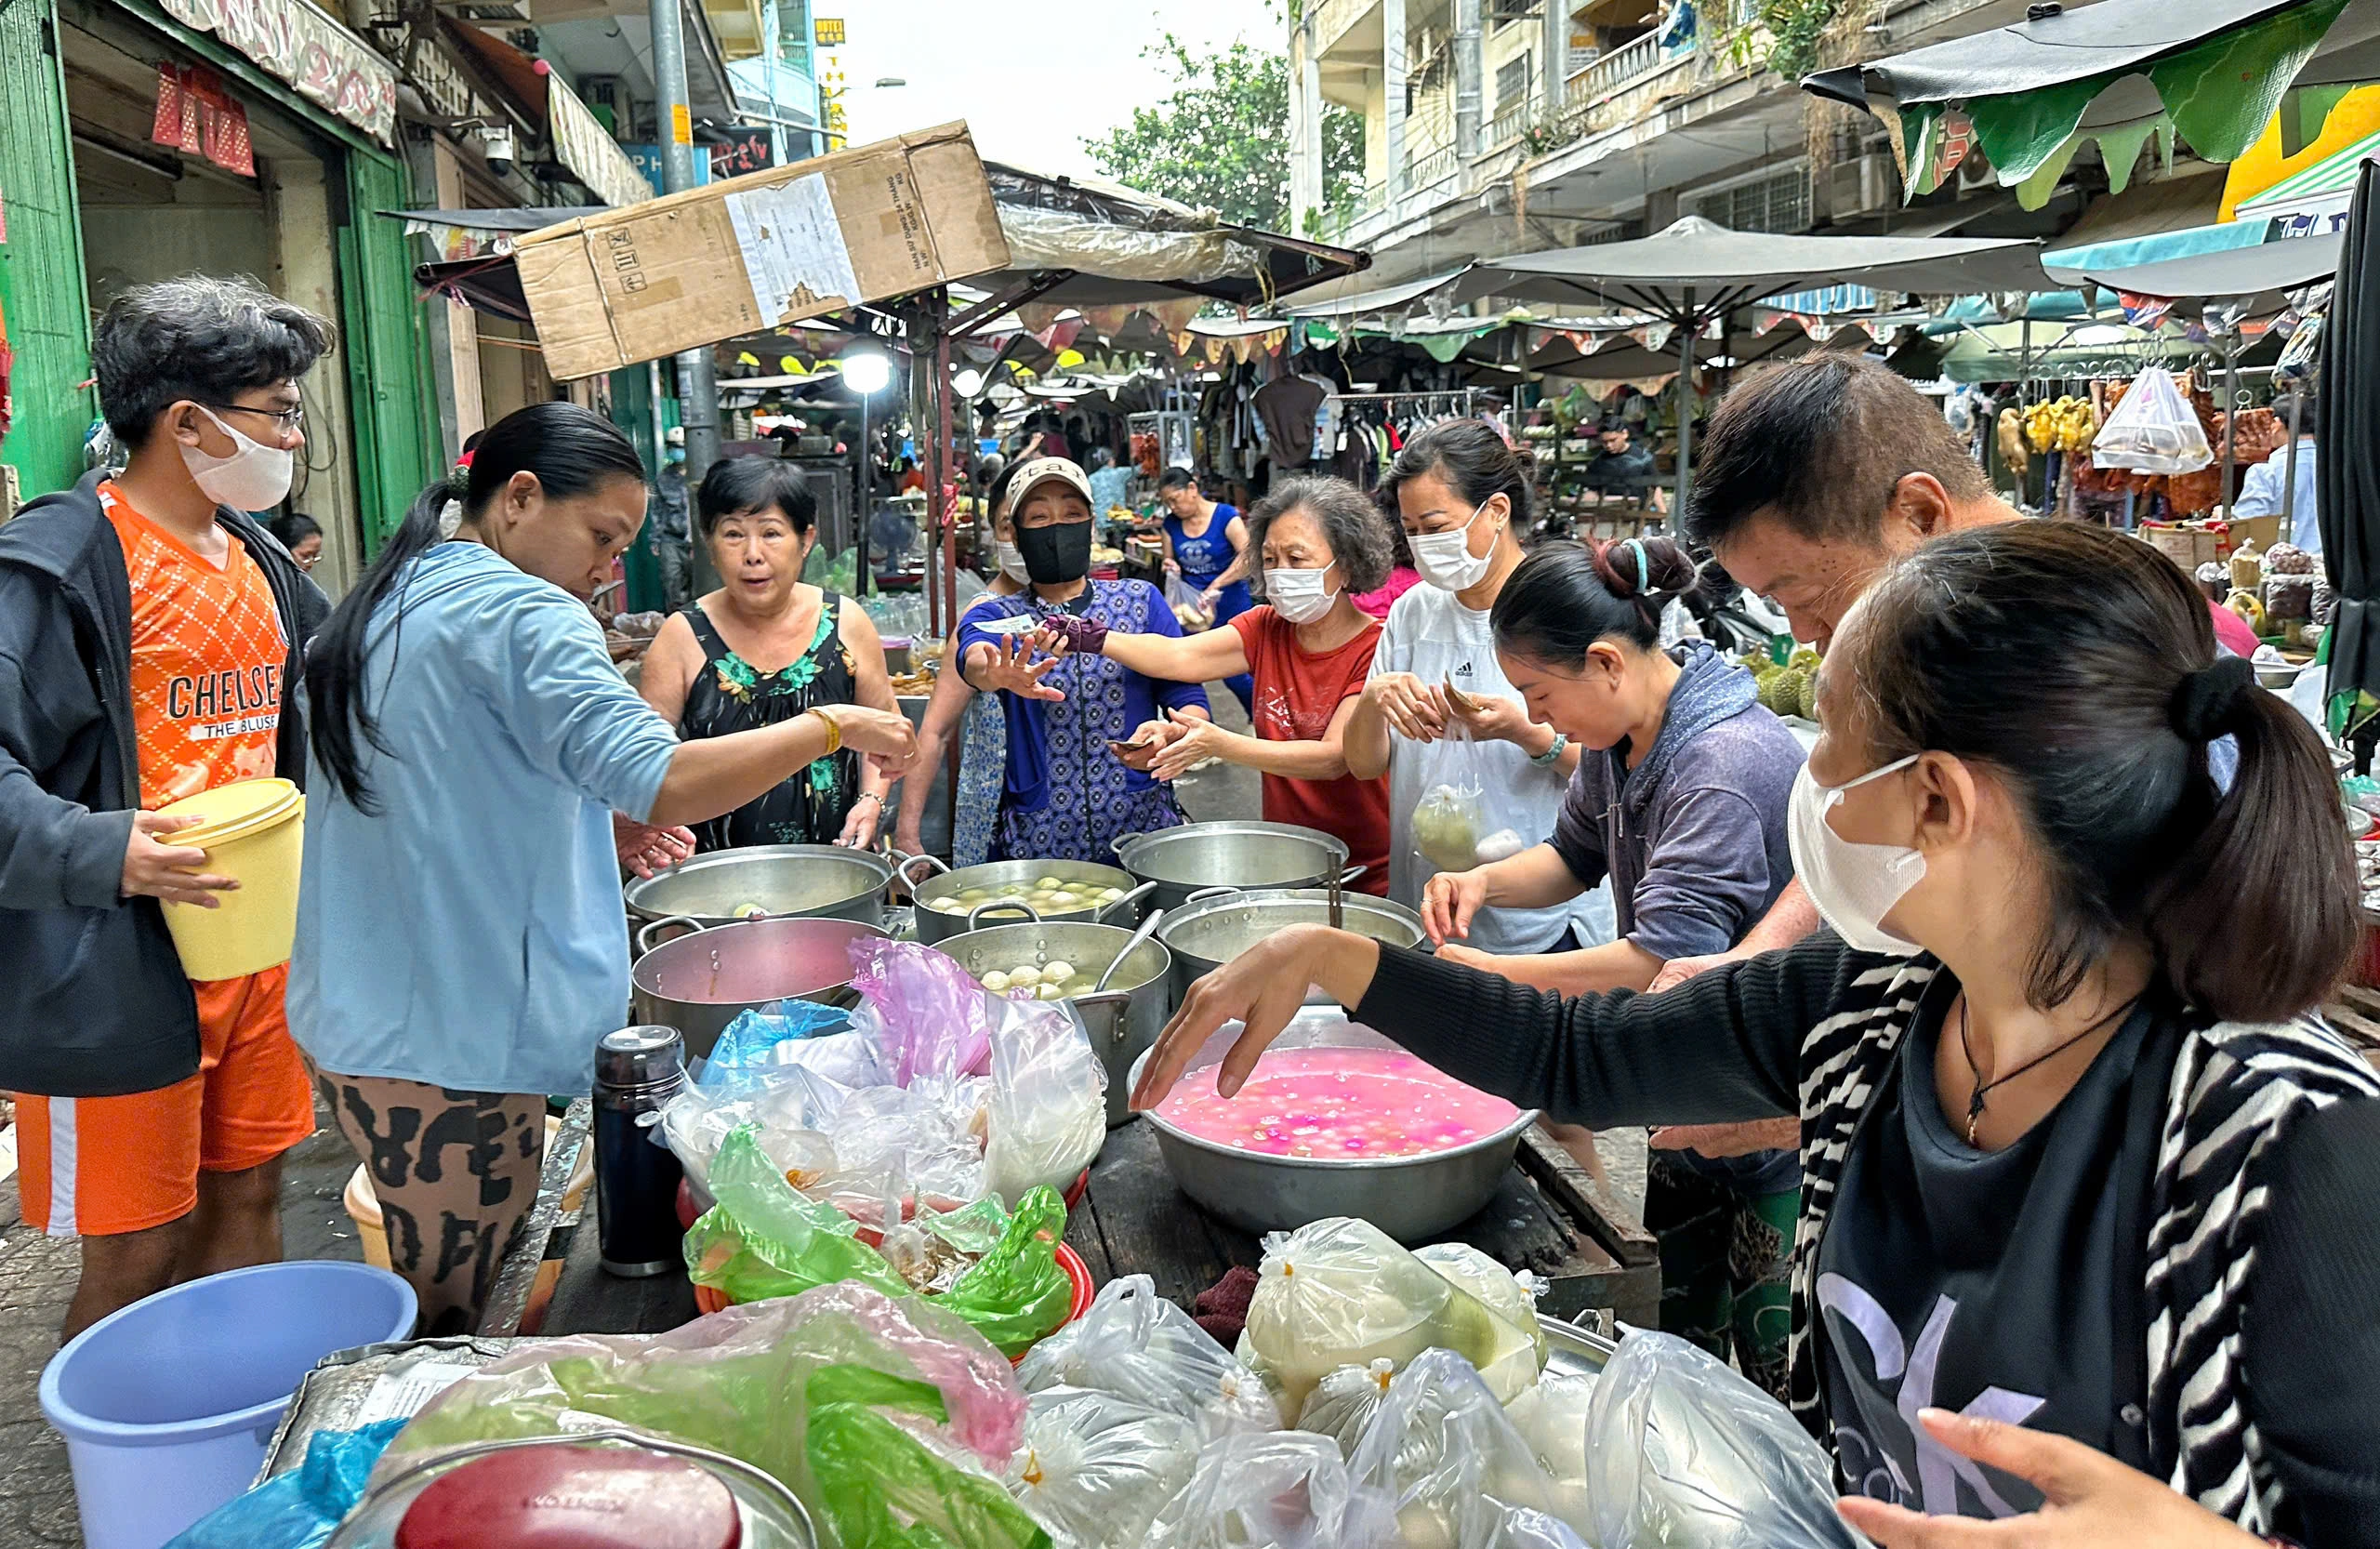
point(1983, 1087)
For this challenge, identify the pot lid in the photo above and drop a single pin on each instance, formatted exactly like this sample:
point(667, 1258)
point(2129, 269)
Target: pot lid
point(589, 1497)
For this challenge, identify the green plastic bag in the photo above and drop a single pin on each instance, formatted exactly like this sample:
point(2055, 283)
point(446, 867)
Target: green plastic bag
point(883, 1489)
point(764, 1239)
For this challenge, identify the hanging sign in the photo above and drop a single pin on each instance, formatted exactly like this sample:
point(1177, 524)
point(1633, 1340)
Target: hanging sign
point(828, 31)
point(328, 65)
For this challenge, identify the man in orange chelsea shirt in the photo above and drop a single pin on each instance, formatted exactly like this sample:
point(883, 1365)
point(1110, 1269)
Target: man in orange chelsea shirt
point(150, 637)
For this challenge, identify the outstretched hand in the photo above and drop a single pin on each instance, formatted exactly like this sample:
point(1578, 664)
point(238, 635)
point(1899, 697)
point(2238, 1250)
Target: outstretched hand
point(1009, 665)
point(647, 850)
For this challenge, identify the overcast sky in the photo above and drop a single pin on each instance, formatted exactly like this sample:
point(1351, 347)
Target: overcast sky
point(1031, 77)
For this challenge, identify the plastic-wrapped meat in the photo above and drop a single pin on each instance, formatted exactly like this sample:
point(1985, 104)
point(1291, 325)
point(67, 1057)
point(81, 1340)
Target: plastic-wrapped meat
point(2195, 494)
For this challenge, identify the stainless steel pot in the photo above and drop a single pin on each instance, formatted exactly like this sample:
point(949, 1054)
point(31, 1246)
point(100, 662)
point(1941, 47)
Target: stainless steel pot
point(1208, 933)
point(934, 925)
point(699, 983)
point(786, 882)
point(1412, 1198)
point(1185, 860)
point(1123, 1020)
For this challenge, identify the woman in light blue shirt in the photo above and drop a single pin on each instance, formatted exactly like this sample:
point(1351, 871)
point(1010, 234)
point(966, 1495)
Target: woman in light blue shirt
point(461, 942)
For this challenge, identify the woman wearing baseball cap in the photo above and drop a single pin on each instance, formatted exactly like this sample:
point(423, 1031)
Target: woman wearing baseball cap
point(1065, 795)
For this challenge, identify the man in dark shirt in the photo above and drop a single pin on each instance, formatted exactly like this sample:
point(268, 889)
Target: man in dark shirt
point(666, 524)
point(1623, 470)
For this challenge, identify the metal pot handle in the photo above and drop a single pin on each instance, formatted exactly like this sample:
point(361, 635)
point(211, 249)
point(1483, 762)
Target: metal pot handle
point(1352, 872)
point(644, 936)
point(1119, 998)
point(1002, 906)
point(901, 868)
point(1099, 915)
point(1117, 843)
point(1221, 891)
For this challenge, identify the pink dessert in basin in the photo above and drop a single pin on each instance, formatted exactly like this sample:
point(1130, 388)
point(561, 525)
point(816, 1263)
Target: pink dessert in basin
point(1345, 1104)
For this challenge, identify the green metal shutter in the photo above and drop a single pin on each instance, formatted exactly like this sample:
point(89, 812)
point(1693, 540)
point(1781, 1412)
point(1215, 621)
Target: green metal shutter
point(41, 263)
point(388, 372)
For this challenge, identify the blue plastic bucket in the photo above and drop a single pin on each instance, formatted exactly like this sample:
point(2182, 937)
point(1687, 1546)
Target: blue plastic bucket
point(167, 1405)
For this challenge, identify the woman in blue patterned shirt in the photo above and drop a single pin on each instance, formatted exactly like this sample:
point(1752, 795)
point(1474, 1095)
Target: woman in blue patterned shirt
point(1065, 795)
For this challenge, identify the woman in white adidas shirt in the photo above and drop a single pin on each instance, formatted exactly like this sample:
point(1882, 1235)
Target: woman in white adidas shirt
point(1463, 498)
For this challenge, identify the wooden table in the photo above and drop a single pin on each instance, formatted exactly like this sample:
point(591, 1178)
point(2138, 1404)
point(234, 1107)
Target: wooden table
point(1548, 1217)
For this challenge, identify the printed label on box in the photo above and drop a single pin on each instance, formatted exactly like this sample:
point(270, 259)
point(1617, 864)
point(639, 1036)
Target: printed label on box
point(793, 247)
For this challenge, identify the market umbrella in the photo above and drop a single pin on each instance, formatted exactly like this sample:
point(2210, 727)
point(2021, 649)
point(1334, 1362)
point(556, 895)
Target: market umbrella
point(1692, 272)
point(2269, 270)
point(2121, 72)
point(2346, 475)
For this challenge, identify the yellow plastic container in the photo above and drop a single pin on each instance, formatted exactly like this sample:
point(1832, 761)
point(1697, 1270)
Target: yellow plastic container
point(253, 832)
point(372, 1232)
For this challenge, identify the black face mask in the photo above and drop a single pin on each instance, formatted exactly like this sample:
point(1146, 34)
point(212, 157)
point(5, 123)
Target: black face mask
point(1057, 554)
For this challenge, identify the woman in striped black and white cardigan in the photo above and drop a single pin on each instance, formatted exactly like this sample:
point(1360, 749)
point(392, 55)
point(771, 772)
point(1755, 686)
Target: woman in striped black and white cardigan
point(2075, 1153)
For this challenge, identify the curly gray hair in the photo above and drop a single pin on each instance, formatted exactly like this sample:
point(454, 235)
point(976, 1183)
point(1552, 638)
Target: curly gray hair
point(202, 336)
point(1359, 535)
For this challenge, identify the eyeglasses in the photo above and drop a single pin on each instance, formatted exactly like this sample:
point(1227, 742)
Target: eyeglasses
point(309, 562)
point(289, 421)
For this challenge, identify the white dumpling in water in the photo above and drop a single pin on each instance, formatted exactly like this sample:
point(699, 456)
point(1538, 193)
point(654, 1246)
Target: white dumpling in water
point(1024, 977)
point(996, 981)
point(1052, 990)
point(1057, 972)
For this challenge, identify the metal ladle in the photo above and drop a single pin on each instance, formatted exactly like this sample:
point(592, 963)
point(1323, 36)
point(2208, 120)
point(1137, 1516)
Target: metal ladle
point(1148, 929)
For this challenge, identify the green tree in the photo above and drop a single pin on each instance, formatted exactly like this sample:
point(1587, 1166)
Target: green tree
point(1220, 139)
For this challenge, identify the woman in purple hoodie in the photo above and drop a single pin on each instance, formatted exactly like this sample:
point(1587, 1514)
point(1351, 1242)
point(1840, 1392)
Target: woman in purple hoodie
point(1680, 799)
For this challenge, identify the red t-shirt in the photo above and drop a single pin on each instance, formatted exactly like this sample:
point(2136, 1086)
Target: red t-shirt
point(1297, 692)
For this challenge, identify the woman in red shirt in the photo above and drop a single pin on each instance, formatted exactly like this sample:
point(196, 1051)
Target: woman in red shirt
point(1320, 543)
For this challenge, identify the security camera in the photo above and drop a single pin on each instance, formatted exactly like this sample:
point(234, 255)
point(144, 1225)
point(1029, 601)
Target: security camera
point(495, 145)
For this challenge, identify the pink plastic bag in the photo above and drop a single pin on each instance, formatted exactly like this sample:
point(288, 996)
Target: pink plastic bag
point(927, 1015)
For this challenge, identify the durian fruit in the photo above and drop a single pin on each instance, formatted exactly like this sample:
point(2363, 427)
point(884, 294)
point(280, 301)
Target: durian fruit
point(1791, 689)
point(1808, 707)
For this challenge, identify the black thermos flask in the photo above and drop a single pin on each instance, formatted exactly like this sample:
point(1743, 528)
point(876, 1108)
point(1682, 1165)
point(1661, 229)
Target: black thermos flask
point(637, 1070)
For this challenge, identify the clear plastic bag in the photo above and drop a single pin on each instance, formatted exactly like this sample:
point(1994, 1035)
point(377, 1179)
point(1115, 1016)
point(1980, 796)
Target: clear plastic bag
point(1189, 607)
point(1281, 1491)
point(1342, 1293)
point(738, 1382)
point(1511, 1297)
point(1137, 1345)
point(1443, 1448)
point(1048, 1103)
point(1342, 1404)
point(1683, 1452)
point(1552, 1417)
point(758, 1043)
point(2153, 431)
point(1448, 823)
point(927, 1015)
point(791, 1109)
point(1097, 1468)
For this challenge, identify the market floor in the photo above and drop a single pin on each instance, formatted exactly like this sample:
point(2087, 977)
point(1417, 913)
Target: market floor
point(37, 1272)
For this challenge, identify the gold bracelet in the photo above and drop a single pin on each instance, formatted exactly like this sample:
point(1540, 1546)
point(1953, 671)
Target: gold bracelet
point(834, 732)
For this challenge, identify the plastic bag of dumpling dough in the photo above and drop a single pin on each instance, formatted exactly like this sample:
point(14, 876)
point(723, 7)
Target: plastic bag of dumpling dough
point(1516, 1528)
point(1683, 1452)
point(1284, 1490)
point(1342, 1404)
point(1442, 1446)
point(1342, 1293)
point(1138, 1346)
point(1552, 1417)
point(1505, 1294)
point(1096, 1468)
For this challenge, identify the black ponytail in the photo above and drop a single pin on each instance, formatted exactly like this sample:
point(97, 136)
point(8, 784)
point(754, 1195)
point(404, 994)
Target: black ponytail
point(569, 449)
point(1564, 597)
point(2081, 666)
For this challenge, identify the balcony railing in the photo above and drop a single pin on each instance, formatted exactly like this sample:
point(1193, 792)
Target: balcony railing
point(1637, 57)
point(1358, 206)
point(1509, 125)
point(1425, 171)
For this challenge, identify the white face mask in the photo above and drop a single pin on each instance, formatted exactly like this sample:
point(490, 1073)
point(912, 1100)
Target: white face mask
point(1444, 560)
point(1297, 595)
point(1012, 563)
point(254, 478)
point(1853, 885)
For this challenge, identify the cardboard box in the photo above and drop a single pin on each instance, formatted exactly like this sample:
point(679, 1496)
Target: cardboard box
point(756, 252)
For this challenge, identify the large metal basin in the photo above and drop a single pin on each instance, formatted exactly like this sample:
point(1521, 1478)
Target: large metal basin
point(934, 926)
point(797, 881)
point(1206, 934)
point(699, 983)
point(1412, 1198)
point(1195, 856)
point(1122, 1020)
